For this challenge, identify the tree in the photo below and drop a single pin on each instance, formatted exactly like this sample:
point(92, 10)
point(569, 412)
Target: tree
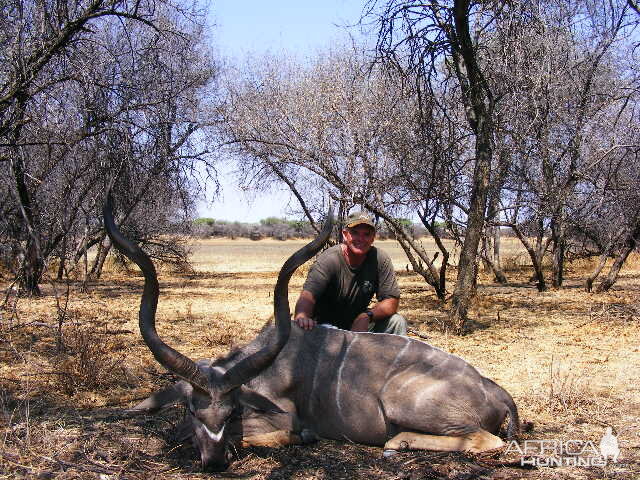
point(95, 93)
point(335, 127)
point(550, 67)
point(562, 83)
point(416, 131)
point(429, 35)
point(610, 225)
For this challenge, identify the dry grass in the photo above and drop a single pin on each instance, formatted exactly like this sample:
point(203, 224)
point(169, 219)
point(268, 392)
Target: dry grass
point(569, 359)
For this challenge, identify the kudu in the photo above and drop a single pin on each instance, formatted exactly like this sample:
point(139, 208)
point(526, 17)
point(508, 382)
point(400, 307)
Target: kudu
point(289, 385)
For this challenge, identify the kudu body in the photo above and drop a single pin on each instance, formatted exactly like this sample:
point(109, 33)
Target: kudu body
point(289, 385)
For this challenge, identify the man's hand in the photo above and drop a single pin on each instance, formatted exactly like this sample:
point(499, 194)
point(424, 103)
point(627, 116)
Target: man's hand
point(383, 309)
point(305, 322)
point(304, 311)
point(361, 323)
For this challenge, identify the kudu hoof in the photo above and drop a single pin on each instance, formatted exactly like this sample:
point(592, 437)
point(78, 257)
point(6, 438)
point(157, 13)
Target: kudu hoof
point(308, 436)
point(389, 452)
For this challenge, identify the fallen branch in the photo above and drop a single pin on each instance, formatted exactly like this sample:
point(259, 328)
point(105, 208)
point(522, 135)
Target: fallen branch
point(417, 334)
point(15, 460)
point(31, 324)
point(116, 332)
point(86, 468)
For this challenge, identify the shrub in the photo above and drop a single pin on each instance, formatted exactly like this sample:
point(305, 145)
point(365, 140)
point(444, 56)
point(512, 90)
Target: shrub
point(88, 361)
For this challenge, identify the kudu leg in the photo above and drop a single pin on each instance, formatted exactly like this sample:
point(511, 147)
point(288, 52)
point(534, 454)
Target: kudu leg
point(279, 438)
point(475, 442)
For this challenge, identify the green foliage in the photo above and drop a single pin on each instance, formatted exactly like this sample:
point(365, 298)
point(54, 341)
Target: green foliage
point(404, 222)
point(210, 221)
point(204, 221)
point(271, 221)
point(274, 227)
point(442, 225)
point(299, 225)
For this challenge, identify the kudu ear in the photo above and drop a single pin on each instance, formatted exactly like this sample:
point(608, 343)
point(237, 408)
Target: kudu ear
point(176, 393)
point(252, 399)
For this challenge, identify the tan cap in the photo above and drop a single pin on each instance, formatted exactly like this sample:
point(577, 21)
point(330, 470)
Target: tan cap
point(358, 218)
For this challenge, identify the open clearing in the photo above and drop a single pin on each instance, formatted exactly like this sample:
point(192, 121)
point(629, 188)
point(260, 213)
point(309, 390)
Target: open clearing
point(570, 360)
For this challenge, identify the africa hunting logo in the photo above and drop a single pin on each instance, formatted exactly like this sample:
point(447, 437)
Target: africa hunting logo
point(367, 287)
point(563, 453)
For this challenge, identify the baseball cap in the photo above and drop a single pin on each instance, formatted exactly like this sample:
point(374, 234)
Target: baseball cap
point(358, 218)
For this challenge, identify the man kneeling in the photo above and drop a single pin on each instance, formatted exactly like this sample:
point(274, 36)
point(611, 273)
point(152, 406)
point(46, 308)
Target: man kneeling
point(342, 282)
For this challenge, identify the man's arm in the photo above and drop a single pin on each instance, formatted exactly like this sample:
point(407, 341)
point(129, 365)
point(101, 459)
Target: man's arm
point(304, 310)
point(383, 309)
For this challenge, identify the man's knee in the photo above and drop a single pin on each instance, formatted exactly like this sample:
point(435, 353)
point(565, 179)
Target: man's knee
point(396, 324)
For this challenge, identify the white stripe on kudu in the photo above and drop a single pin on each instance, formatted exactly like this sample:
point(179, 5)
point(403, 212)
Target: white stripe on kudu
point(392, 367)
point(339, 385)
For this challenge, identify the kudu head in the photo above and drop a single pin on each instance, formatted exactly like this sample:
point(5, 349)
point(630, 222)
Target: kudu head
point(214, 397)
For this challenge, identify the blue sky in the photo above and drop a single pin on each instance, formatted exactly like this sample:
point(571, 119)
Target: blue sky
point(294, 26)
point(254, 27)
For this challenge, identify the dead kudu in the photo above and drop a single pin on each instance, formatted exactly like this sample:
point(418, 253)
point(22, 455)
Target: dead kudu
point(289, 386)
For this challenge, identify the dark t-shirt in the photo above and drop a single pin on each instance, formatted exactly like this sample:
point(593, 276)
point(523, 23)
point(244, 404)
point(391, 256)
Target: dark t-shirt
point(343, 292)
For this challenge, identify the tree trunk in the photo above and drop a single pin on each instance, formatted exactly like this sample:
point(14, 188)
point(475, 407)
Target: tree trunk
point(85, 258)
point(489, 256)
point(536, 259)
point(630, 244)
point(497, 261)
point(479, 106)
point(63, 260)
point(559, 247)
point(611, 278)
point(492, 235)
point(342, 213)
point(588, 283)
point(429, 274)
point(465, 281)
point(498, 274)
point(97, 258)
point(558, 263)
point(32, 270)
point(32, 266)
point(485, 248)
point(98, 264)
point(445, 254)
point(61, 267)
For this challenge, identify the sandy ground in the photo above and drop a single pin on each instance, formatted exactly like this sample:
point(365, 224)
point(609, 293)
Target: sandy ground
point(568, 358)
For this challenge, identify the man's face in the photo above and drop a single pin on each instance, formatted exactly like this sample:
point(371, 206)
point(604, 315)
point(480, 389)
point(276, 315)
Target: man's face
point(359, 238)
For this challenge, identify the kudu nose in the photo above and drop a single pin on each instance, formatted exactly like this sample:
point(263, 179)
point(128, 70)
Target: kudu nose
point(214, 463)
point(215, 466)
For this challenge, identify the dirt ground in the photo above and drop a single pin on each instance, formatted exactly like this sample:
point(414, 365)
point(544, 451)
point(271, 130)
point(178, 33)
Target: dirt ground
point(570, 360)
